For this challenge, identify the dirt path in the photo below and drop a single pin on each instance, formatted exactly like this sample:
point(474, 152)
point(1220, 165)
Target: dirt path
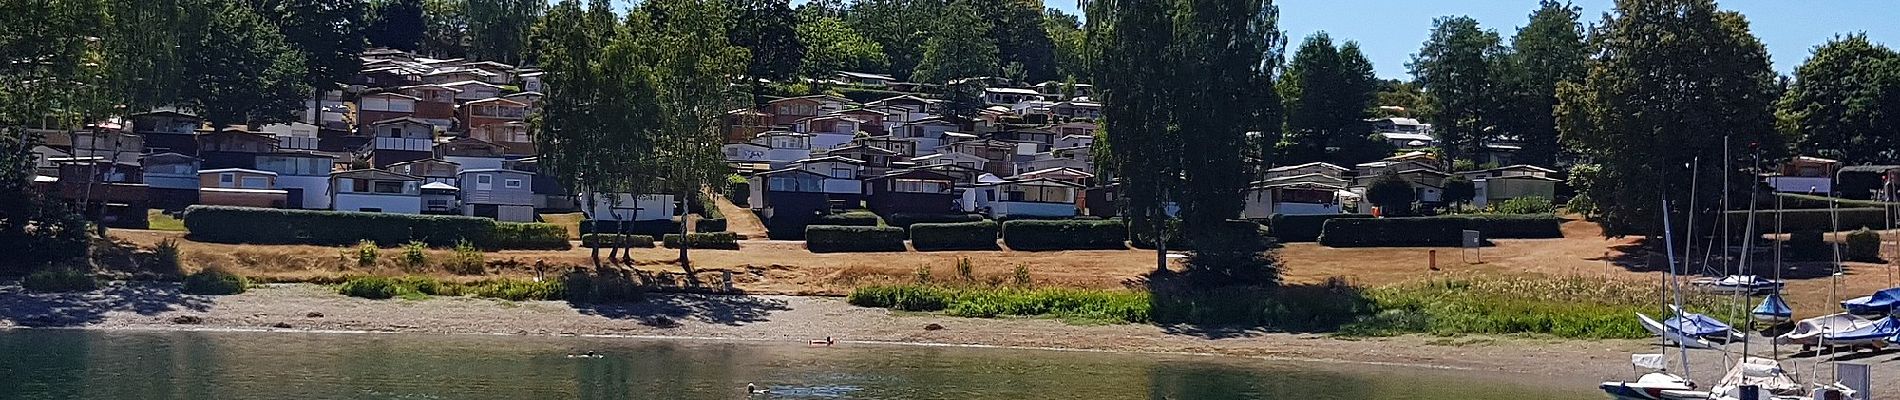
point(739, 219)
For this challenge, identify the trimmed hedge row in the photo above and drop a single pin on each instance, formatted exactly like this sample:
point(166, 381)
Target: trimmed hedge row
point(524, 235)
point(1033, 235)
point(1812, 220)
point(656, 227)
point(611, 239)
point(250, 225)
point(853, 218)
point(836, 239)
point(708, 240)
point(1302, 228)
point(710, 225)
point(979, 235)
point(905, 220)
point(1435, 231)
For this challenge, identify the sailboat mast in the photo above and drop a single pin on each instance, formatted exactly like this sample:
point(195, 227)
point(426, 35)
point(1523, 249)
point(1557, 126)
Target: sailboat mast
point(1777, 343)
point(1727, 227)
point(1669, 248)
point(1748, 257)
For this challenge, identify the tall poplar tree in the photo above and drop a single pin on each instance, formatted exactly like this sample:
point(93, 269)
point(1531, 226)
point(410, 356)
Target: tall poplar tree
point(498, 29)
point(330, 36)
point(1455, 68)
point(1549, 50)
point(396, 24)
point(1327, 91)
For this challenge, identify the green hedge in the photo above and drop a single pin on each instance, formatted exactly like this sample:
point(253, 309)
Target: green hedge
point(1816, 220)
point(1794, 201)
point(979, 235)
point(710, 225)
point(1033, 235)
point(739, 192)
point(853, 218)
point(1302, 228)
point(214, 282)
point(654, 228)
point(1862, 245)
point(905, 220)
point(222, 224)
point(836, 239)
point(1142, 238)
point(1436, 231)
point(538, 236)
point(709, 240)
point(611, 239)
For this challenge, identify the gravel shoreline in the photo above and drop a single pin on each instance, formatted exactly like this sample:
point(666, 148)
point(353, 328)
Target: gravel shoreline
point(797, 319)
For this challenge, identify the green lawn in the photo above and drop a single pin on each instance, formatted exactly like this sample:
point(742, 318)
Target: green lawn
point(162, 222)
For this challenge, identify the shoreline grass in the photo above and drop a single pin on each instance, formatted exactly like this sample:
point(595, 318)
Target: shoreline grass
point(1572, 308)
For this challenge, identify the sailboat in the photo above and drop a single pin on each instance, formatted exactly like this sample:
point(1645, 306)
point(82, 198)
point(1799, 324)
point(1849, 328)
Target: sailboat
point(1773, 310)
point(1660, 384)
point(1879, 303)
point(1739, 284)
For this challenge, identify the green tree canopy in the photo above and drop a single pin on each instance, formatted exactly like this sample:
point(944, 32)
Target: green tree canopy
point(240, 70)
point(498, 29)
point(396, 24)
point(1844, 102)
point(766, 28)
point(1327, 91)
point(900, 27)
point(1669, 80)
point(836, 47)
point(1392, 194)
point(1547, 51)
point(958, 47)
point(1455, 70)
point(328, 33)
point(445, 29)
point(1067, 38)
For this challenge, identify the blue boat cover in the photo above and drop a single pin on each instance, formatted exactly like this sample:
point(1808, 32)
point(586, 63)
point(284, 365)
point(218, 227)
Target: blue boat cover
point(1883, 328)
point(1773, 306)
point(1692, 324)
point(1880, 302)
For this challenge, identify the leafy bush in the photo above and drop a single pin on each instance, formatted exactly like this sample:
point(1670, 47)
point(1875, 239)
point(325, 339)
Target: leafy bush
point(366, 253)
point(59, 280)
point(1302, 228)
point(214, 281)
point(533, 236)
point(165, 258)
point(1863, 245)
point(980, 235)
point(1815, 220)
point(1033, 235)
point(602, 286)
point(369, 287)
point(852, 218)
point(708, 240)
point(1808, 245)
point(248, 225)
point(1313, 307)
point(738, 190)
point(905, 220)
point(1584, 308)
point(1141, 237)
point(1435, 231)
point(614, 239)
point(467, 260)
point(1524, 205)
point(415, 255)
point(833, 238)
point(654, 228)
point(987, 302)
point(709, 225)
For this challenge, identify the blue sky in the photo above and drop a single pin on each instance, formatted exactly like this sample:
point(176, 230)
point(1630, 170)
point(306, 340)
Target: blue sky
point(1389, 31)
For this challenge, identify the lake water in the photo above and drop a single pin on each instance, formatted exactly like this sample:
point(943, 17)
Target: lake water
point(70, 364)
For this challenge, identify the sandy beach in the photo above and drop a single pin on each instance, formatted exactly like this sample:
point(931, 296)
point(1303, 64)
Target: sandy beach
point(306, 307)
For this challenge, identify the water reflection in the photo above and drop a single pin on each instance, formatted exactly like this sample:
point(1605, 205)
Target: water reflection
point(57, 364)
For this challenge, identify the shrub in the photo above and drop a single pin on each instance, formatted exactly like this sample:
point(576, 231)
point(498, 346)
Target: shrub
point(165, 258)
point(709, 240)
point(832, 238)
point(1435, 231)
point(602, 286)
point(1033, 235)
point(709, 225)
point(655, 228)
point(1302, 228)
point(738, 190)
point(248, 225)
point(905, 220)
point(1816, 220)
point(515, 289)
point(59, 280)
point(467, 260)
point(214, 281)
point(415, 255)
point(987, 302)
point(1863, 245)
point(1808, 245)
point(852, 218)
point(1142, 238)
point(523, 235)
point(369, 287)
point(366, 254)
point(614, 239)
point(1524, 205)
point(980, 235)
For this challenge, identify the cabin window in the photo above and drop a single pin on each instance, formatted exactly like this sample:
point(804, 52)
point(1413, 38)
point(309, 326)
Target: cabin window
point(966, 164)
point(226, 179)
point(917, 186)
point(395, 132)
point(843, 173)
point(256, 182)
point(511, 183)
point(484, 182)
point(388, 187)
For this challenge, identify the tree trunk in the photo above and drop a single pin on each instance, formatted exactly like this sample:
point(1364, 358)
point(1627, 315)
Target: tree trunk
point(685, 263)
point(587, 217)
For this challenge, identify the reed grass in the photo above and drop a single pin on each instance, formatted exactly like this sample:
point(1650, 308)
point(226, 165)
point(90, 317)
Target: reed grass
point(1569, 307)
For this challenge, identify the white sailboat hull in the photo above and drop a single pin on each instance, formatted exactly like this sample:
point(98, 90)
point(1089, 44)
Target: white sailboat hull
point(1674, 336)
